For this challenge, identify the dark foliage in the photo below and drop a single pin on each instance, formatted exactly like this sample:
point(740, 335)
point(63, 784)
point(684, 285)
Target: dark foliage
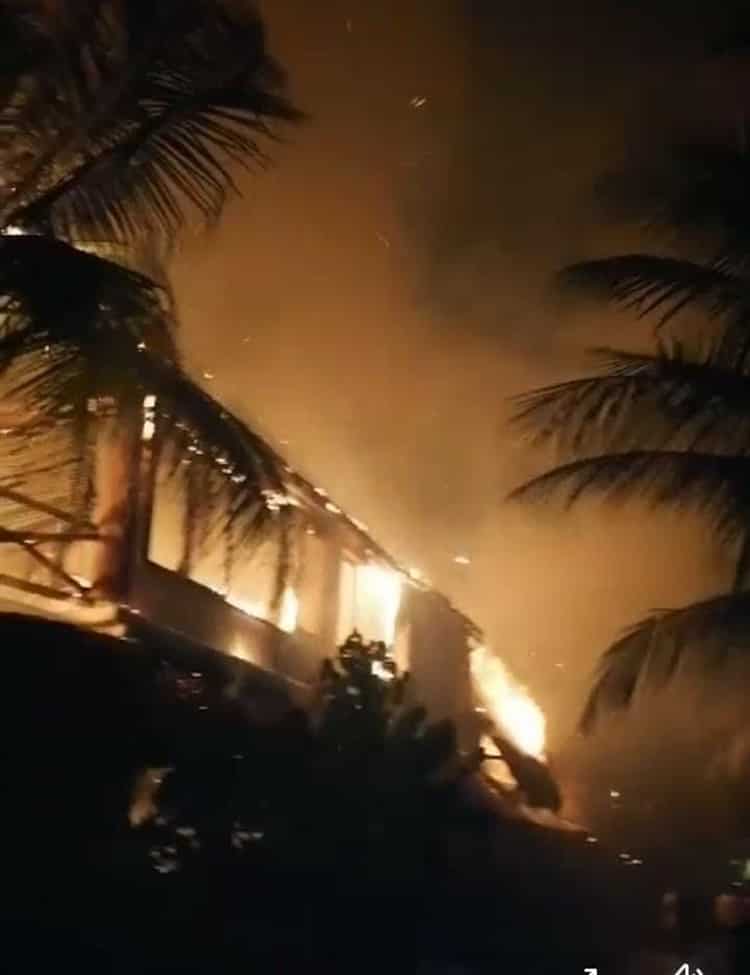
point(716, 632)
point(534, 779)
point(119, 119)
point(670, 427)
point(327, 842)
point(153, 101)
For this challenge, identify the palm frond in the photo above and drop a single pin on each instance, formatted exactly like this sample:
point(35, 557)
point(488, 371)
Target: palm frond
point(236, 481)
point(73, 326)
point(205, 99)
point(731, 347)
point(713, 633)
point(697, 193)
point(658, 285)
point(99, 333)
point(242, 479)
point(55, 60)
point(73, 333)
point(643, 401)
point(22, 50)
point(715, 485)
point(63, 310)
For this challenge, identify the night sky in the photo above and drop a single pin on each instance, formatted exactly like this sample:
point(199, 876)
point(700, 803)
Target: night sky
point(380, 292)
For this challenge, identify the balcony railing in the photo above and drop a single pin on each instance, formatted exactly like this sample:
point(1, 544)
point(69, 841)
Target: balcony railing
point(47, 551)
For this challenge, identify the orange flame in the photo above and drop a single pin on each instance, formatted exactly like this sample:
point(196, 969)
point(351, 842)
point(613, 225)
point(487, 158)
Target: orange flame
point(508, 703)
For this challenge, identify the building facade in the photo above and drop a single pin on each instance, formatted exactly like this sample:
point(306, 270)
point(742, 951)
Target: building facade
point(279, 606)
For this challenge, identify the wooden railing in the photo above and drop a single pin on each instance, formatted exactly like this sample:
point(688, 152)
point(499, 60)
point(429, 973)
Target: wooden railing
point(45, 544)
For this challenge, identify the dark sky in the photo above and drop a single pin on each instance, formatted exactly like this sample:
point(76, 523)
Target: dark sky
point(376, 296)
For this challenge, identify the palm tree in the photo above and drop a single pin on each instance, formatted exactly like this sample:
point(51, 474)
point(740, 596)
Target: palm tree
point(671, 426)
point(119, 122)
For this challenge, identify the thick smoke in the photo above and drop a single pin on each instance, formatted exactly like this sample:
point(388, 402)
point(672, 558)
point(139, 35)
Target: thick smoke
point(385, 287)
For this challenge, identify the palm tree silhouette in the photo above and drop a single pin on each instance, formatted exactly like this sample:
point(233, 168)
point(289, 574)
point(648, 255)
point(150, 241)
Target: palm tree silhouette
point(119, 122)
point(671, 426)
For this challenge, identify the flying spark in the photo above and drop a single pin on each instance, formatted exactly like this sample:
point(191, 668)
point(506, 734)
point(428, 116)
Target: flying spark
point(419, 101)
point(462, 560)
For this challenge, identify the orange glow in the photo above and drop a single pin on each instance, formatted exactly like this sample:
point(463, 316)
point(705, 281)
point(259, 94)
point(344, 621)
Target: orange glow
point(509, 704)
point(288, 611)
point(379, 592)
point(255, 609)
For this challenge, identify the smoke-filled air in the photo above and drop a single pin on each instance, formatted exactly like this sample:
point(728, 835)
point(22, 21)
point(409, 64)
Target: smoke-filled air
point(374, 465)
point(387, 286)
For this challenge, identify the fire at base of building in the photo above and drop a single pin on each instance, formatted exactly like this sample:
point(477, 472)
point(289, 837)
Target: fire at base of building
point(216, 602)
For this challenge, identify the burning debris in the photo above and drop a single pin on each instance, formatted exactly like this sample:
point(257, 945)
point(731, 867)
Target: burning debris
point(508, 704)
point(513, 745)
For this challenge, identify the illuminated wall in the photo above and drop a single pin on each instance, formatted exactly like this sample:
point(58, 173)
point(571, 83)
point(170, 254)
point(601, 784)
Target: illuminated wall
point(247, 580)
point(335, 586)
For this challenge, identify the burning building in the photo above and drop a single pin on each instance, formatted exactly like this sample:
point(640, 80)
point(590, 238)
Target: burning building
point(265, 611)
point(279, 606)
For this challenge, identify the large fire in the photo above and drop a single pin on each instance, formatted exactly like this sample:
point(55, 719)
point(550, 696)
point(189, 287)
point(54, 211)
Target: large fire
point(508, 704)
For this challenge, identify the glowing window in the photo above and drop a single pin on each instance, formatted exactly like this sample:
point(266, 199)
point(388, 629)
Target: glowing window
point(370, 596)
